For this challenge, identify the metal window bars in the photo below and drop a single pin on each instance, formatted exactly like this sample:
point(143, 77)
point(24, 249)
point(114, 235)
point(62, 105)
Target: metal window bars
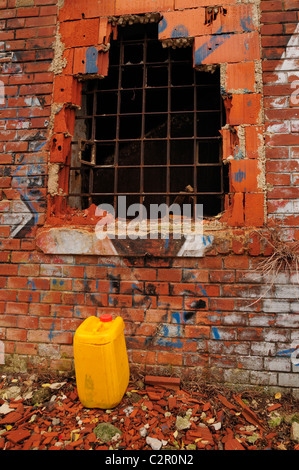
point(150, 129)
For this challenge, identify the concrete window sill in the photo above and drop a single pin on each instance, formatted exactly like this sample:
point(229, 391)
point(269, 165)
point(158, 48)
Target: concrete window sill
point(71, 240)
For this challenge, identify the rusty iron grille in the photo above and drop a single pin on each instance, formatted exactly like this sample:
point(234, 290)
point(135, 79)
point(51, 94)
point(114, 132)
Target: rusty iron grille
point(150, 129)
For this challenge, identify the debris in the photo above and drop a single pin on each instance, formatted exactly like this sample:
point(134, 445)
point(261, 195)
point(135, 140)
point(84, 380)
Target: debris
point(249, 415)
point(216, 426)
point(253, 438)
point(274, 407)
point(11, 418)
point(4, 409)
point(10, 393)
point(143, 432)
point(106, 431)
point(172, 383)
point(182, 423)
point(154, 443)
point(150, 417)
point(295, 431)
point(275, 420)
point(40, 396)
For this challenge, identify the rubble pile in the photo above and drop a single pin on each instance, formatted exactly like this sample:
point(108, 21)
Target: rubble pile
point(47, 415)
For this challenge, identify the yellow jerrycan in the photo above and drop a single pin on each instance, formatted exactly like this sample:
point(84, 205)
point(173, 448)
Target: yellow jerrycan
point(101, 361)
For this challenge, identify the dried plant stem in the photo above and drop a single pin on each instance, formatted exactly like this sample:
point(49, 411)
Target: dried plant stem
point(285, 257)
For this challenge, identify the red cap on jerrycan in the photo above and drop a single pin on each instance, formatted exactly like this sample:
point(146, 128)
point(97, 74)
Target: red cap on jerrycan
point(106, 317)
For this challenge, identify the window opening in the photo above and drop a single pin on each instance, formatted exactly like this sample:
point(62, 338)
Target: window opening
point(150, 129)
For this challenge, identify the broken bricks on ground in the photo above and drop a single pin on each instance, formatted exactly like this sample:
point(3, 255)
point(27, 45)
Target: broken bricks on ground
point(48, 415)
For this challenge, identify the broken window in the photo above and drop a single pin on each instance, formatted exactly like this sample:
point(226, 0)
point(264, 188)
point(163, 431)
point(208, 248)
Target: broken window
point(150, 129)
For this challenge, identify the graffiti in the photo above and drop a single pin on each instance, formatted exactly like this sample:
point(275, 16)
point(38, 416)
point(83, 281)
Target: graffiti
point(169, 331)
point(29, 176)
point(196, 245)
point(288, 66)
point(27, 179)
point(179, 31)
point(240, 176)
point(295, 95)
point(210, 46)
point(292, 353)
point(215, 332)
point(52, 329)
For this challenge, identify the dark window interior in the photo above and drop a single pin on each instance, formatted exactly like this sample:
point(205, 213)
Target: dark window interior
point(151, 128)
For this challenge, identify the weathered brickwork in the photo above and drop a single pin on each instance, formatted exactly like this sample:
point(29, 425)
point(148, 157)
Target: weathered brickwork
point(205, 308)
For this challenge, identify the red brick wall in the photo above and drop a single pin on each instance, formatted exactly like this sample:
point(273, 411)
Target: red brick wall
point(280, 66)
point(213, 315)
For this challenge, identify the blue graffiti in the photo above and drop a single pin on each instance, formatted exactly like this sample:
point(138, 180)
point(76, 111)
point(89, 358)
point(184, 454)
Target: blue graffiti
point(238, 154)
point(286, 352)
point(289, 353)
point(28, 189)
point(215, 332)
point(205, 239)
point(52, 333)
point(31, 285)
point(91, 60)
point(247, 24)
point(176, 317)
point(162, 26)
point(164, 341)
point(209, 47)
point(240, 176)
point(204, 292)
point(179, 31)
point(134, 289)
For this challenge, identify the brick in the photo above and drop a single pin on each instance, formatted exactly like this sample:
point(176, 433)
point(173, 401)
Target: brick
point(188, 23)
point(272, 5)
point(173, 275)
point(278, 364)
point(74, 11)
point(16, 335)
point(235, 211)
point(144, 274)
point(202, 332)
point(290, 5)
point(181, 4)
point(279, 17)
point(226, 48)
point(240, 77)
point(80, 33)
point(67, 90)
point(244, 175)
point(254, 141)
point(11, 418)
point(288, 380)
point(27, 349)
point(169, 358)
point(245, 109)
point(17, 308)
point(123, 7)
